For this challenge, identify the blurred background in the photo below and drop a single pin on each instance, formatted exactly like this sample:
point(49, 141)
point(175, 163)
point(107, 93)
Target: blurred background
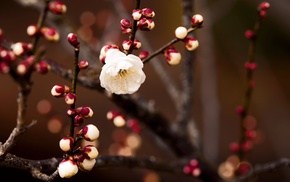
point(219, 84)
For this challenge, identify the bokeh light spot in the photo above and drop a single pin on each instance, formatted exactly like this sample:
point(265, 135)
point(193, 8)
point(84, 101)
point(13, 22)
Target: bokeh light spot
point(44, 106)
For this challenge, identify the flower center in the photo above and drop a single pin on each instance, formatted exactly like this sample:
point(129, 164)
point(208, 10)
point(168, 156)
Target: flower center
point(122, 72)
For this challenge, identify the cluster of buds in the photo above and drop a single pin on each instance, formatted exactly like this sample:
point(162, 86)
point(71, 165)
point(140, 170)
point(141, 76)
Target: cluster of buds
point(79, 158)
point(21, 51)
point(127, 44)
point(104, 51)
point(144, 20)
point(262, 9)
point(120, 120)
point(192, 168)
point(80, 113)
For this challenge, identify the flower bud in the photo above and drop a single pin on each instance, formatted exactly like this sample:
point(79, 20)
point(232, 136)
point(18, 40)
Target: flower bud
point(134, 125)
point(191, 43)
point(58, 90)
point(180, 32)
point(264, 5)
point(86, 112)
point(234, 147)
point(126, 44)
point(73, 40)
point(249, 34)
point(112, 114)
point(71, 112)
point(145, 24)
point(136, 14)
point(4, 67)
point(7, 55)
point(196, 20)
point(83, 64)
point(70, 98)
point(148, 13)
point(126, 30)
point(42, 67)
point(90, 132)
point(143, 54)
point(250, 134)
point(104, 51)
point(50, 34)
point(173, 58)
point(119, 121)
point(90, 152)
point(57, 7)
point(87, 164)
point(23, 67)
point(126, 23)
point(66, 143)
point(19, 48)
point(137, 44)
point(250, 66)
point(31, 30)
point(67, 168)
point(78, 120)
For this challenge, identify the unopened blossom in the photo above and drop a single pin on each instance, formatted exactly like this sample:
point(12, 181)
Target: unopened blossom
point(196, 20)
point(42, 67)
point(191, 43)
point(66, 143)
point(180, 32)
point(122, 74)
point(57, 7)
point(104, 51)
point(90, 152)
point(31, 30)
point(67, 168)
point(87, 164)
point(90, 132)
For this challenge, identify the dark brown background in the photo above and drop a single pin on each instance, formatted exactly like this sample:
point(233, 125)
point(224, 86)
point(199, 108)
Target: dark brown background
point(230, 19)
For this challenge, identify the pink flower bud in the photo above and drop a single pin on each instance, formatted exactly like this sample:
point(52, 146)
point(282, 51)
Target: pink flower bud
point(146, 24)
point(67, 168)
point(31, 30)
point(137, 14)
point(180, 32)
point(191, 43)
point(126, 30)
point(127, 44)
point(4, 67)
point(78, 120)
point(90, 152)
point(249, 34)
point(196, 20)
point(250, 66)
point(264, 5)
point(50, 34)
point(246, 146)
point(262, 13)
point(66, 143)
point(137, 44)
point(7, 55)
point(134, 125)
point(87, 164)
point(83, 64)
point(126, 23)
point(42, 67)
point(86, 112)
point(240, 110)
point(73, 40)
point(234, 147)
point(90, 132)
point(148, 13)
point(71, 112)
point(70, 98)
point(58, 90)
point(19, 48)
point(250, 134)
point(243, 168)
point(57, 7)
point(23, 67)
point(143, 54)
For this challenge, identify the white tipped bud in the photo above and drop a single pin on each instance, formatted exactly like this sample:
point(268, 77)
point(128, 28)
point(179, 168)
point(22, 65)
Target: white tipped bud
point(90, 151)
point(66, 143)
point(31, 30)
point(196, 20)
point(70, 98)
point(126, 44)
point(87, 164)
point(136, 14)
point(180, 32)
point(19, 48)
point(67, 168)
point(191, 43)
point(58, 90)
point(90, 132)
point(174, 58)
point(119, 121)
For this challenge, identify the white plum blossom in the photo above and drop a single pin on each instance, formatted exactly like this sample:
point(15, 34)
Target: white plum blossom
point(122, 74)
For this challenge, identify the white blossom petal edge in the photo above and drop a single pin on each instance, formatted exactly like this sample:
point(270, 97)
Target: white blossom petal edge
point(122, 74)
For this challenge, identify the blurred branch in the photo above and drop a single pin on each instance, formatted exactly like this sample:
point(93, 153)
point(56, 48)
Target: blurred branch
point(263, 168)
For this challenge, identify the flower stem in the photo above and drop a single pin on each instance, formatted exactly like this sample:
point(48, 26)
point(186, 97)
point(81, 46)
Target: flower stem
point(74, 83)
point(134, 30)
